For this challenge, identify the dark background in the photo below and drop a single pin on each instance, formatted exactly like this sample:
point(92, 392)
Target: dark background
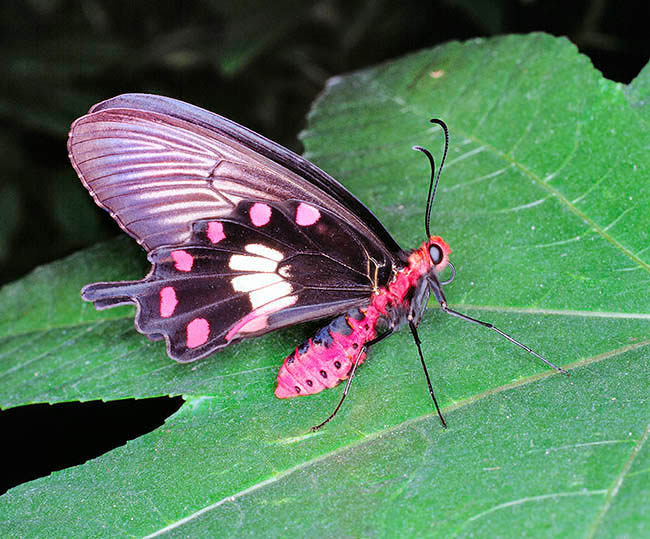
point(259, 63)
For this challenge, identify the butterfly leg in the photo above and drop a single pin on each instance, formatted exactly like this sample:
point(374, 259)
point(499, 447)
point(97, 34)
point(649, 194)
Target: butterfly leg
point(416, 338)
point(362, 350)
point(437, 291)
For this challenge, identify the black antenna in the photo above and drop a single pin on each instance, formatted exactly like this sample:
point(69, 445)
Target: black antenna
point(433, 186)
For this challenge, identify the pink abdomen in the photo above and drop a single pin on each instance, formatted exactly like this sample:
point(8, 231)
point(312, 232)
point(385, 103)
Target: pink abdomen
point(326, 359)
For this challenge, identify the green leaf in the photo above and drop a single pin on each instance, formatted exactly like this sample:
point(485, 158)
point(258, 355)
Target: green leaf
point(544, 201)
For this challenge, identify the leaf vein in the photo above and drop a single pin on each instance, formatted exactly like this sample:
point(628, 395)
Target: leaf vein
point(614, 489)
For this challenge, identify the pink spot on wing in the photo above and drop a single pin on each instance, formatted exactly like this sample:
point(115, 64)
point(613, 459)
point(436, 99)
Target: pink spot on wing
point(258, 319)
point(168, 301)
point(183, 261)
point(215, 232)
point(255, 324)
point(253, 320)
point(260, 214)
point(198, 331)
point(306, 215)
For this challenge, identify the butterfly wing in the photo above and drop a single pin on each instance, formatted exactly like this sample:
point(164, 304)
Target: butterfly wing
point(157, 164)
point(244, 237)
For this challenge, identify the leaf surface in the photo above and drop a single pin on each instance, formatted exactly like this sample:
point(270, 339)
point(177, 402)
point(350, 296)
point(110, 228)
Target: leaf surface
point(544, 201)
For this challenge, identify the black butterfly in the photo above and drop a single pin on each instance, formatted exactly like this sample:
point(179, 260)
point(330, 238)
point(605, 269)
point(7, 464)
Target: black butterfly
point(244, 236)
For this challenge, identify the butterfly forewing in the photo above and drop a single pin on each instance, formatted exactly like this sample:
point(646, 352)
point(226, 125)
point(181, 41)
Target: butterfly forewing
point(158, 165)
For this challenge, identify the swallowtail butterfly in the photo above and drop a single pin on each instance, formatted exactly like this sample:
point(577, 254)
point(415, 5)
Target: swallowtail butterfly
point(246, 237)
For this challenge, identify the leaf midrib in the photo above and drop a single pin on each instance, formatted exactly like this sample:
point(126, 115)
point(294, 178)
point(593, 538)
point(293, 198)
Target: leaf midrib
point(487, 308)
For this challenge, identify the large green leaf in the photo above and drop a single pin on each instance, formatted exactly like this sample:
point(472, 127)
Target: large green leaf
point(544, 200)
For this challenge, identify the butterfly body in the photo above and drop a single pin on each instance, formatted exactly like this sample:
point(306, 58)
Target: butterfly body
point(327, 358)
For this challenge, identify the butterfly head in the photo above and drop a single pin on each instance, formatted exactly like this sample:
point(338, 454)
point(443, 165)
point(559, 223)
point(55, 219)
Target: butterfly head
point(431, 258)
point(438, 252)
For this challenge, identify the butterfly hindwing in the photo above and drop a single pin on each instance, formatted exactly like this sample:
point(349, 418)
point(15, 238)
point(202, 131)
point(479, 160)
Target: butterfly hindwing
point(264, 266)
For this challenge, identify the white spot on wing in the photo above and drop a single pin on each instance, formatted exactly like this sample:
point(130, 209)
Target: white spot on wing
point(252, 263)
point(246, 283)
point(262, 250)
point(269, 293)
point(263, 284)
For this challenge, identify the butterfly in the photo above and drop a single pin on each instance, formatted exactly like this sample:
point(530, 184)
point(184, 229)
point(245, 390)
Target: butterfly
point(245, 237)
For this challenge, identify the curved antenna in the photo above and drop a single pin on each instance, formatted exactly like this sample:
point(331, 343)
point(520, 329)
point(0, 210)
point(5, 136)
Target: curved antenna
point(430, 196)
point(433, 186)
